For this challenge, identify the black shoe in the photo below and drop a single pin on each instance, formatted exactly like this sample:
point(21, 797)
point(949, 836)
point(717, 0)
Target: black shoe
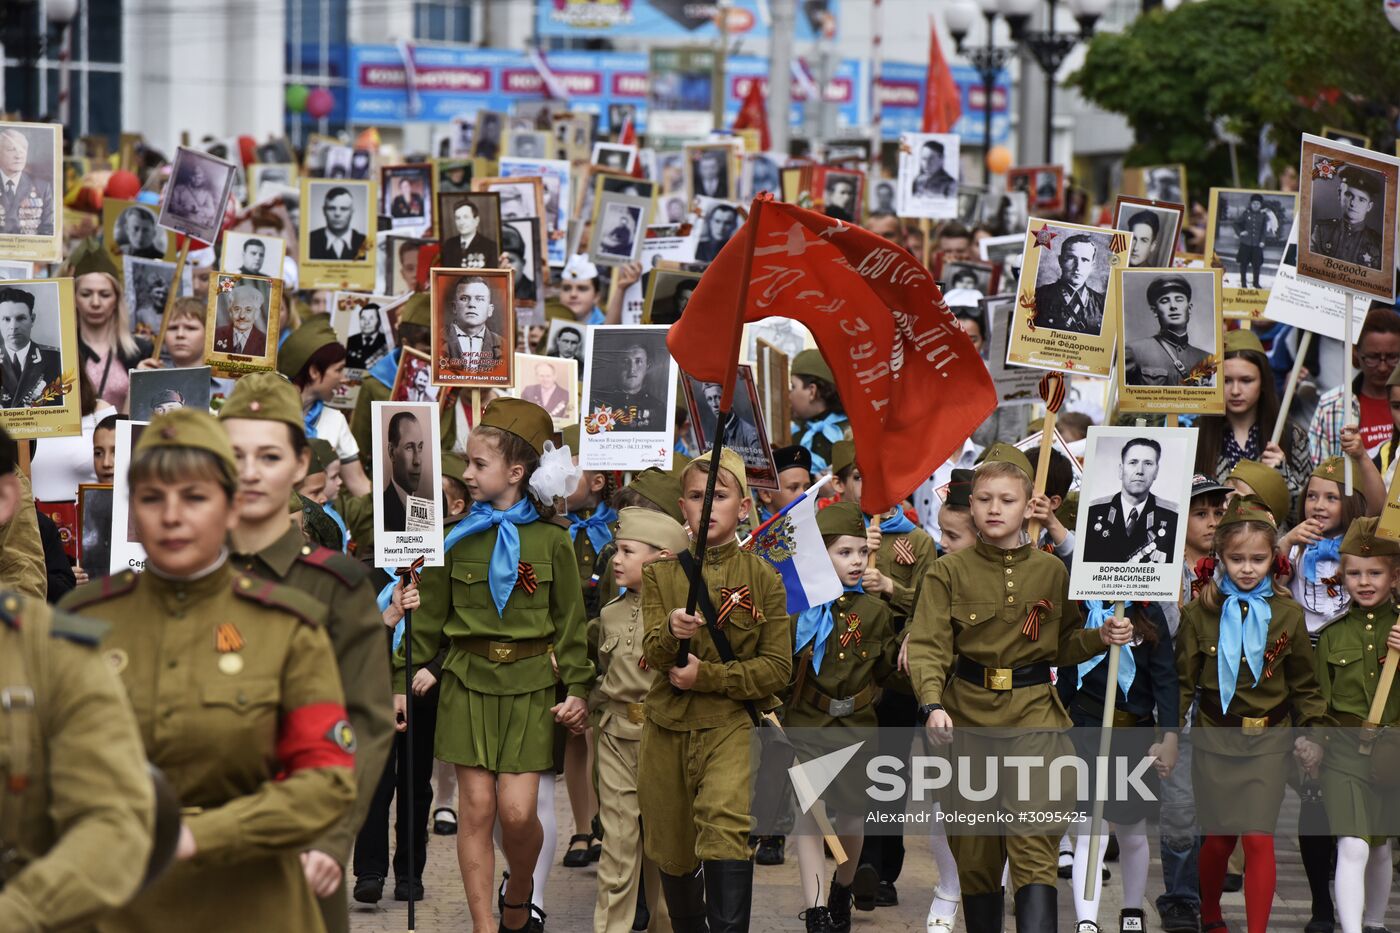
point(401, 890)
point(1316, 925)
point(642, 918)
point(728, 895)
point(1110, 852)
point(369, 889)
point(444, 821)
point(984, 913)
point(1065, 867)
point(864, 887)
point(536, 917)
point(886, 895)
point(1086, 926)
point(1132, 920)
point(577, 857)
point(1179, 918)
point(838, 905)
point(1233, 883)
point(818, 920)
point(685, 902)
point(1374, 930)
point(772, 850)
point(1037, 907)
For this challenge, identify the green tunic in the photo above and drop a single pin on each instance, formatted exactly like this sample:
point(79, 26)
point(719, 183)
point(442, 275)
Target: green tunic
point(905, 559)
point(495, 714)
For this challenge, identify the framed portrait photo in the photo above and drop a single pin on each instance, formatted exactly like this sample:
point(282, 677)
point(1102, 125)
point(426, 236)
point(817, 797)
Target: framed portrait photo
point(400, 263)
point(413, 380)
point(487, 138)
point(965, 281)
point(339, 226)
point(619, 224)
point(146, 284)
point(520, 253)
point(406, 196)
point(95, 529)
point(31, 197)
point(1153, 227)
point(197, 194)
point(1246, 235)
point(842, 192)
point(1014, 384)
point(556, 181)
point(1170, 341)
point(771, 381)
point(364, 325)
point(452, 175)
point(745, 433)
point(158, 391)
point(613, 156)
point(263, 175)
point(529, 143)
point(719, 221)
point(711, 171)
point(928, 175)
point(470, 230)
point(629, 390)
point(407, 484)
point(243, 323)
point(39, 337)
point(565, 339)
point(1043, 186)
point(521, 196)
point(1157, 182)
point(473, 327)
point(124, 546)
point(1346, 211)
point(250, 254)
point(551, 384)
point(130, 228)
point(668, 294)
point(1064, 298)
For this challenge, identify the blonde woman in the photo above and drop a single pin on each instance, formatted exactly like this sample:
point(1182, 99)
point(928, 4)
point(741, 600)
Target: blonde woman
point(105, 341)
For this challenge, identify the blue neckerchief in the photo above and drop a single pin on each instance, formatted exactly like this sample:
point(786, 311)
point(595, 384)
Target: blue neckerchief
point(1099, 612)
point(596, 316)
point(386, 368)
point(1326, 549)
point(897, 524)
point(597, 525)
point(1242, 631)
point(313, 415)
point(814, 627)
point(681, 447)
point(829, 427)
point(282, 338)
point(340, 523)
point(505, 556)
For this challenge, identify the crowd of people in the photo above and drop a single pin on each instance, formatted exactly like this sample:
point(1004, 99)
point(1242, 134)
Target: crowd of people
point(259, 659)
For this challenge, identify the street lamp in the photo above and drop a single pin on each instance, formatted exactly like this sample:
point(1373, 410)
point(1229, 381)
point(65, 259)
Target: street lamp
point(988, 60)
point(60, 13)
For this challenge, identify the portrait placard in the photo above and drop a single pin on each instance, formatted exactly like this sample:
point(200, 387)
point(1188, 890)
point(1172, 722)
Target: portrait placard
point(668, 294)
point(487, 138)
point(261, 174)
point(470, 230)
point(629, 391)
point(711, 171)
point(364, 326)
point(761, 172)
point(521, 196)
point(745, 433)
point(158, 391)
point(413, 380)
point(619, 223)
point(1157, 182)
point(1131, 529)
point(147, 284)
point(719, 221)
point(565, 340)
point(126, 552)
point(1030, 446)
point(197, 194)
point(1042, 185)
point(965, 281)
point(1308, 304)
point(528, 143)
point(840, 191)
point(31, 212)
point(772, 379)
point(662, 248)
point(1005, 253)
point(1014, 384)
point(929, 169)
point(1246, 233)
point(339, 226)
point(1170, 341)
point(251, 254)
point(551, 384)
point(400, 263)
point(520, 253)
point(39, 348)
point(452, 175)
point(473, 327)
point(1064, 296)
point(130, 228)
point(243, 323)
point(407, 484)
point(556, 181)
point(95, 529)
point(406, 193)
point(613, 156)
point(1153, 227)
point(1347, 205)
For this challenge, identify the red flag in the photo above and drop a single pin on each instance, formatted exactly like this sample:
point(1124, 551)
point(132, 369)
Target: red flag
point(627, 136)
point(910, 379)
point(942, 99)
point(753, 114)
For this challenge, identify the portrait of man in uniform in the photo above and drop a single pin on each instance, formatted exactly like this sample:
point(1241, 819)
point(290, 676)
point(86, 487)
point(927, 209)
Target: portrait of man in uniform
point(1133, 526)
point(1070, 301)
point(933, 179)
point(137, 233)
point(621, 366)
point(1168, 357)
point(26, 200)
point(1353, 236)
point(470, 243)
point(364, 349)
point(29, 368)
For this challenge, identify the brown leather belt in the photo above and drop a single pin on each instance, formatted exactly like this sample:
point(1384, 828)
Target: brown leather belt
point(1252, 725)
point(839, 707)
point(1003, 678)
point(505, 652)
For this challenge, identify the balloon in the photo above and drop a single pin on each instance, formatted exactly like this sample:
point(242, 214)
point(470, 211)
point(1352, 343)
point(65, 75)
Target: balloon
point(123, 185)
point(319, 103)
point(1392, 12)
point(998, 159)
point(296, 97)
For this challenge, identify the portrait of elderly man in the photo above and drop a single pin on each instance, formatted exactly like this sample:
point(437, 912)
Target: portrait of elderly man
point(1347, 237)
point(1070, 303)
point(337, 241)
point(26, 202)
point(470, 248)
point(711, 174)
point(27, 368)
point(1167, 357)
point(1133, 526)
point(242, 334)
point(364, 349)
point(470, 344)
point(547, 392)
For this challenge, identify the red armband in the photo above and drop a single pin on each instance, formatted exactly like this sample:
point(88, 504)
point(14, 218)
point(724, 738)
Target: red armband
point(315, 736)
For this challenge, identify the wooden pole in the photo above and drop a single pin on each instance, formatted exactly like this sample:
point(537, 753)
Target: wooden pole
point(925, 227)
point(1349, 346)
point(1042, 468)
point(1304, 344)
point(22, 449)
point(476, 407)
point(171, 296)
point(1370, 730)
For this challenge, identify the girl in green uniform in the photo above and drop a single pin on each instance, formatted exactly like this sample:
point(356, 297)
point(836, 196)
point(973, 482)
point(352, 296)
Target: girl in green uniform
point(1349, 656)
point(506, 599)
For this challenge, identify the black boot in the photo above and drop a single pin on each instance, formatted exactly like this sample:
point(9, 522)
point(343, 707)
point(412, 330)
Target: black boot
point(685, 901)
point(728, 895)
point(1037, 908)
point(838, 905)
point(1132, 920)
point(984, 913)
point(818, 920)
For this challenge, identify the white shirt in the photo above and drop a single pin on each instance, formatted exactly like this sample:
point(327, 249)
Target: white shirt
point(19, 355)
point(469, 343)
point(927, 501)
point(338, 245)
point(333, 427)
point(7, 180)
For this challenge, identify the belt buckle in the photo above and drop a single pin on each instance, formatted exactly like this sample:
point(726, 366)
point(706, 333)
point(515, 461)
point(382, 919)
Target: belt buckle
point(996, 678)
point(1254, 725)
point(502, 652)
point(636, 713)
point(843, 707)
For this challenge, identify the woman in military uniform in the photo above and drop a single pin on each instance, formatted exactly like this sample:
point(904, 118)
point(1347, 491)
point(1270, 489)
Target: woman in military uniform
point(263, 419)
point(1362, 813)
point(1245, 646)
point(234, 686)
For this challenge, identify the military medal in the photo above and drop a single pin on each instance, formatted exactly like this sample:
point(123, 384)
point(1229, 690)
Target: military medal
point(117, 660)
point(228, 642)
point(231, 663)
point(852, 629)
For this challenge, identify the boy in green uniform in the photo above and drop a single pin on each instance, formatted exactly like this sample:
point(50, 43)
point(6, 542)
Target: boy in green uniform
point(694, 777)
point(819, 420)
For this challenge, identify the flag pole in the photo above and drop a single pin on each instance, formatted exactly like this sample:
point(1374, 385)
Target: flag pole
point(807, 494)
point(702, 534)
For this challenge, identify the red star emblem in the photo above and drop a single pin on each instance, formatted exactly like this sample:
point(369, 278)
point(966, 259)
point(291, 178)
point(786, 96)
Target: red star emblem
point(225, 285)
point(1045, 237)
point(1325, 168)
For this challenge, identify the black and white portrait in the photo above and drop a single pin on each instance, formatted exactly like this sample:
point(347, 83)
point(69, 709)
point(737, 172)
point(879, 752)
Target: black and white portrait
point(454, 175)
point(883, 197)
point(719, 221)
point(407, 478)
point(230, 150)
point(136, 233)
point(614, 157)
point(1071, 284)
point(1151, 229)
point(744, 433)
point(147, 286)
point(1169, 328)
point(1164, 183)
point(250, 254)
point(708, 171)
point(928, 174)
point(763, 173)
point(368, 335)
point(263, 176)
point(487, 144)
point(841, 194)
point(520, 239)
point(629, 398)
point(668, 295)
point(518, 199)
point(1004, 252)
point(195, 197)
point(565, 340)
point(337, 162)
point(95, 533)
point(160, 391)
point(1008, 213)
point(619, 114)
point(471, 230)
point(31, 341)
point(529, 144)
point(966, 281)
point(1248, 233)
point(618, 231)
point(406, 192)
point(29, 179)
point(336, 218)
point(1349, 214)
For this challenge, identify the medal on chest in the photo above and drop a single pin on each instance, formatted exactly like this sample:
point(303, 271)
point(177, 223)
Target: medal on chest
point(228, 642)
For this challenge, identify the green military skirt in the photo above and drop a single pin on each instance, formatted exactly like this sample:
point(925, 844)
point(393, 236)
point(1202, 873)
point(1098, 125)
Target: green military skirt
point(511, 734)
point(1240, 790)
point(1355, 806)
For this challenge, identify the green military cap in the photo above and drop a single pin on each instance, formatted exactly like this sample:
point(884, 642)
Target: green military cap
point(453, 465)
point(1165, 284)
point(525, 420)
point(841, 518)
point(304, 341)
point(1268, 485)
point(295, 503)
point(1333, 468)
point(960, 490)
point(322, 454)
point(89, 256)
point(811, 363)
point(1241, 339)
point(654, 528)
point(843, 455)
point(265, 397)
point(1068, 510)
point(417, 310)
point(189, 427)
point(1002, 452)
point(731, 463)
point(662, 488)
point(571, 438)
point(1247, 509)
point(1361, 540)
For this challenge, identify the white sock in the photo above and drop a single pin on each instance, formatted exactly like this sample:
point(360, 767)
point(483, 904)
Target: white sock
point(544, 806)
point(1352, 856)
point(949, 890)
point(1087, 909)
point(444, 785)
point(1379, 874)
point(1066, 848)
point(1133, 858)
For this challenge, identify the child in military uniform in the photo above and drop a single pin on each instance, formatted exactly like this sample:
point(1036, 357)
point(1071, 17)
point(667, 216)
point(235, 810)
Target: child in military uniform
point(694, 777)
point(845, 651)
point(643, 536)
point(955, 514)
point(990, 623)
point(819, 419)
point(1349, 662)
point(1243, 643)
point(506, 598)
